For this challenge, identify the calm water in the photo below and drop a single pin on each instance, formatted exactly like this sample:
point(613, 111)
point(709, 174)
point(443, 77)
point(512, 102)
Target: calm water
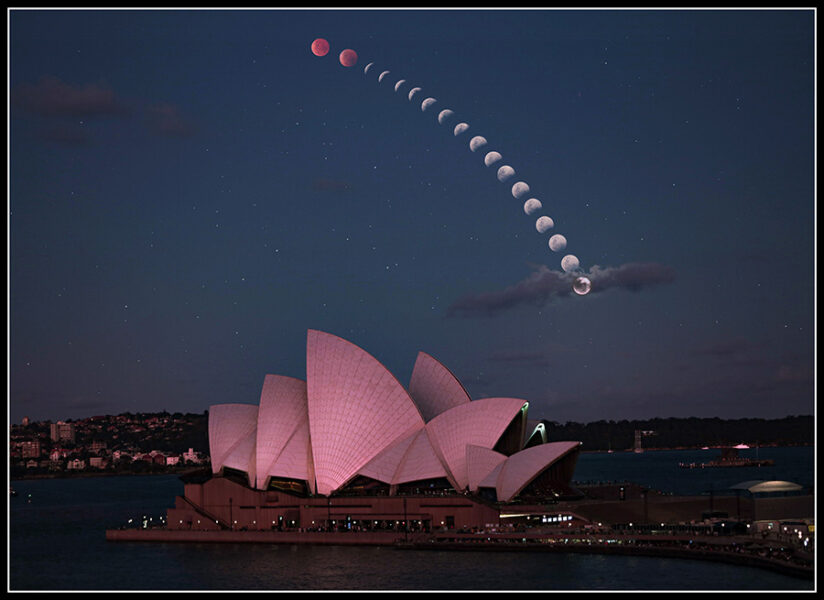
point(57, 542)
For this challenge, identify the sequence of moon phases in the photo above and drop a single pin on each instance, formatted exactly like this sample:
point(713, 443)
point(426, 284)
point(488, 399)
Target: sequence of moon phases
point(320, 47)
point(427, 103)
point(444, 115)
point(477, 142)
point(582, 285)
point(557, 242)
point(348, 57)
point(570, 263)
point(520, 189)
point(505, 173)
point(491, 158)
point(532, 206)
point(544, 224)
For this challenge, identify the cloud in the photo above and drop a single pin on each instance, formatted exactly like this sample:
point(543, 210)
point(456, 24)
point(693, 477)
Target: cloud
point(63, 133)
point(51, 97)
point(544, 284)
point(165, 119)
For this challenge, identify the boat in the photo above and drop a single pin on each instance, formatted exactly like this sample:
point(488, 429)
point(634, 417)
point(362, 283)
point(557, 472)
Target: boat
point(729, 458)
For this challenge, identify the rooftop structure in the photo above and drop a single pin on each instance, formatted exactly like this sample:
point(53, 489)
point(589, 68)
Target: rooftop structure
point(352, 423)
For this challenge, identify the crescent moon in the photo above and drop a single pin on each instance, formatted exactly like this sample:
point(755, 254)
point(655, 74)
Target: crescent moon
point(570, 263)
point(444, 115)
point(399, 84)
point(382, 75)
point(532, 205)
point(492, 157)
point(367, 67)
point(505, 173)
point(476, 142)
point(460, 128)
point(544, 224)
point(557, 242)
point(413, 91)
point(427, 103)
point(519, 189)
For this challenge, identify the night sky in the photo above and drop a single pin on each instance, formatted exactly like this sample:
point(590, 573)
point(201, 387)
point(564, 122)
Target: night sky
point(190, 191)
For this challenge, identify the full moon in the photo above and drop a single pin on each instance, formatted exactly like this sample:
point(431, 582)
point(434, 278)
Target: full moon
point(581, 286)
point(570, 263)
point(348, 57)
point(320, 47)
point(544, 224)
point(557, 242)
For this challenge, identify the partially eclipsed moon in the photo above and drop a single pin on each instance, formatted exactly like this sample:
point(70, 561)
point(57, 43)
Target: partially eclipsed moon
point(544, 224)
point(444, 115)
point(367, 67)
point(491, 157)
point(427, 103)
point(519, 189)
point(557, 242)
point(382, 75)
point(348, 57)
point(413, 91)
point(505, 173)
point(320, 47)
point(399, 84)
point(460, 128)
point(570, 263)
point(477, 142)
point(532, 205)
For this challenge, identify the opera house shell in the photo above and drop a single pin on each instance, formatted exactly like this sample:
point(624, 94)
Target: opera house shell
point(352, 429)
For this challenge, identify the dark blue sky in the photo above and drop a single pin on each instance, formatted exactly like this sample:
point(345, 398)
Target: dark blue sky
point(190, 191)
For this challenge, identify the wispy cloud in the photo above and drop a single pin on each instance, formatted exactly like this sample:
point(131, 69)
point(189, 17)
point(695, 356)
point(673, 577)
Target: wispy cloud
point(64, 133)
point(544, 285)
point(166, 119)
point(51, 97)
point(55, 103)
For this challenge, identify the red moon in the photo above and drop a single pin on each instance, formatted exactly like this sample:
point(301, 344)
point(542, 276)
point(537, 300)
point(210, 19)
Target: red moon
point(348, 57)
point(320, 47)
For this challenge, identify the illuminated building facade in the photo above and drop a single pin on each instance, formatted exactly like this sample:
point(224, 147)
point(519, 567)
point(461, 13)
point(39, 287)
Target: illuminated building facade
point(350, 446)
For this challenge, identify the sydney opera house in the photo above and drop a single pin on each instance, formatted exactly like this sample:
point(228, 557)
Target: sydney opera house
point(351, 447)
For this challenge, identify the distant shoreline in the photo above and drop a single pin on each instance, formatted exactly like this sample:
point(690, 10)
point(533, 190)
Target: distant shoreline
point(180, 471)
point(713, 447)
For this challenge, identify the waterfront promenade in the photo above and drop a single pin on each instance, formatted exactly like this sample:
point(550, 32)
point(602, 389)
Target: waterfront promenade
point(754, 551)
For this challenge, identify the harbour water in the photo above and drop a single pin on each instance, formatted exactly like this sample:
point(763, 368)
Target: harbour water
point(57, 542)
